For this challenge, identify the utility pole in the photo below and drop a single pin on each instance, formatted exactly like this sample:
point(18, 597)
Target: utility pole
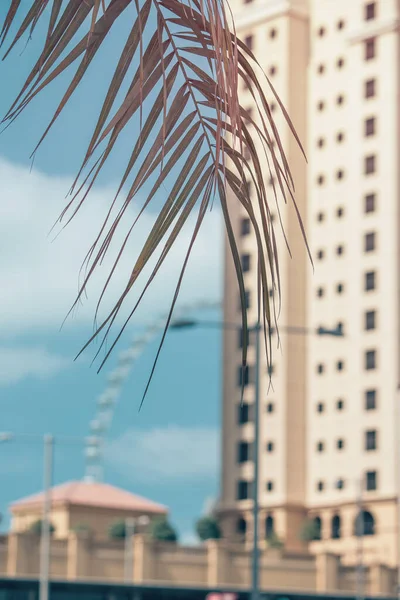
point(360, 532)
point(48, 449)
point(255, 558)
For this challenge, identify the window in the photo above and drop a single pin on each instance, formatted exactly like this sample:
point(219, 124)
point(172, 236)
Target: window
point(270, 407)
point(340, 288)
point(340, 484)
point(369, 203)
point(370, 360)
point(339, 404)
point(320, 407)
point(370, 399)
point(369, 126)
point(320, 217)
point(321, 69)
point(321, 32)
point(270, 486)
point(245, 226)
point(364, 524)
point(340, 444)
point(370, 281)
point(340, 250)
point(340, 174)
point(370, 440)
point(320, 180)
point(371, 483)
point(269, 527)
point(241, 526)
point(244, 375)
point(369, 242)
point(340, 100)
point(270, 446)
point(339, 137)
point(243, 454)
point(320, 254)
point(320, 486)
point(248, 40)
point(243, 413)
point(340, 212)
point(243, 490)
point(273, 33)
point(335, 527)
point(272, 107)
point(340, 24)
point(369, 165)
point(272, 70)
point(339, 365)
point(370, 88)
point(321, 142)
point(246, 260)
point(316, 528)
point(320, 368)
point(320, 292)
point(321, 105)
point(320, 446)
point(370, 11)
point(369, 49)
point(247, 297)
point(370, 320)
point(340, 63)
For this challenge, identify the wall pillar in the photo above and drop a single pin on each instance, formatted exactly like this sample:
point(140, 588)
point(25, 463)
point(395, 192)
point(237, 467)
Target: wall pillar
point(217, 563)
point(78, 555)
point(143, 559)
point(327, 565)
point(380, 580)
point(19, 550)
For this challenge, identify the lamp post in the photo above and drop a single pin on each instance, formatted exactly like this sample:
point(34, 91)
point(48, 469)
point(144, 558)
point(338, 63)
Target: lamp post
point(256, 330)
point(130, 524)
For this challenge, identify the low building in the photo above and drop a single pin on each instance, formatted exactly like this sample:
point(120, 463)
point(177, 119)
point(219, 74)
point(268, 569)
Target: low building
point(83, 505)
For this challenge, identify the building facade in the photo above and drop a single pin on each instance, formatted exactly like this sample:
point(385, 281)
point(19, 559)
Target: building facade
point(328, 421)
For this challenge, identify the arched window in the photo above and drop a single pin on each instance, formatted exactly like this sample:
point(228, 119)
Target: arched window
point(269, 526)
point(364, 524)
point(335, 527)
point(241, 526)
point(317, 528)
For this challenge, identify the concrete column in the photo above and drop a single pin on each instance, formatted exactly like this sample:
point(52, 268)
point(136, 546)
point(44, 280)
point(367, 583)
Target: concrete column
point(78, 555)
point(327, 572)
point(143, 559)
point(217, 563)
point(380, 580)
point(20, 549)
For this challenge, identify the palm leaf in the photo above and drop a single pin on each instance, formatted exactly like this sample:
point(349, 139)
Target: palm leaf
point(181, 67)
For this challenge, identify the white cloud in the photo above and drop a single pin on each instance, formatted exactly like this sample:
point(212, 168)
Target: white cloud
point(17, 363)
point(40, 274)
point(172, 453)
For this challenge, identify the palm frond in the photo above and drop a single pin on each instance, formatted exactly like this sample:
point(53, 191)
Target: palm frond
point(181, 67)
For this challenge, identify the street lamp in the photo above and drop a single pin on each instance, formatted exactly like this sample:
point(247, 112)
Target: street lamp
point(256, 330)
point(130, 524)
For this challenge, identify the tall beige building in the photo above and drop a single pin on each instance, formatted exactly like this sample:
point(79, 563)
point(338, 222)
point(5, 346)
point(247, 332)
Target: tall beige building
point(328, 424)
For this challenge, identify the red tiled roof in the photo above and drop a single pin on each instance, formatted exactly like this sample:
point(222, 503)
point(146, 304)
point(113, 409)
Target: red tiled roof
point(101, 495)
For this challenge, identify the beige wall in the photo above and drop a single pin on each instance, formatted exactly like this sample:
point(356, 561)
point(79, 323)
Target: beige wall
point(216, 563)
point(67, 518)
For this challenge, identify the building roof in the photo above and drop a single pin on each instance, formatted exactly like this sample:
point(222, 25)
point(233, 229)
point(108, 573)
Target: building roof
point(94, 494)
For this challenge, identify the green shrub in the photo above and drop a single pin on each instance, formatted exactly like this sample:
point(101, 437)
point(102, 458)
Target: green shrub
point(207, 528)
point(162, 530)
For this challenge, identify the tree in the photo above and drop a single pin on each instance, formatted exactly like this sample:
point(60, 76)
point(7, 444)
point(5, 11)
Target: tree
point(311, 530)
point(117, 530)
point(178, 78)
point(207, 528)
point(274, 541)
point(162, 530)
point(36, 527)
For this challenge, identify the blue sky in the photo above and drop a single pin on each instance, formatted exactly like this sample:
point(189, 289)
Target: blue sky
point(169, 451)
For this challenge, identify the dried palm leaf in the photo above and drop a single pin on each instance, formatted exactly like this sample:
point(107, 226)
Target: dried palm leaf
point(183, 61)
